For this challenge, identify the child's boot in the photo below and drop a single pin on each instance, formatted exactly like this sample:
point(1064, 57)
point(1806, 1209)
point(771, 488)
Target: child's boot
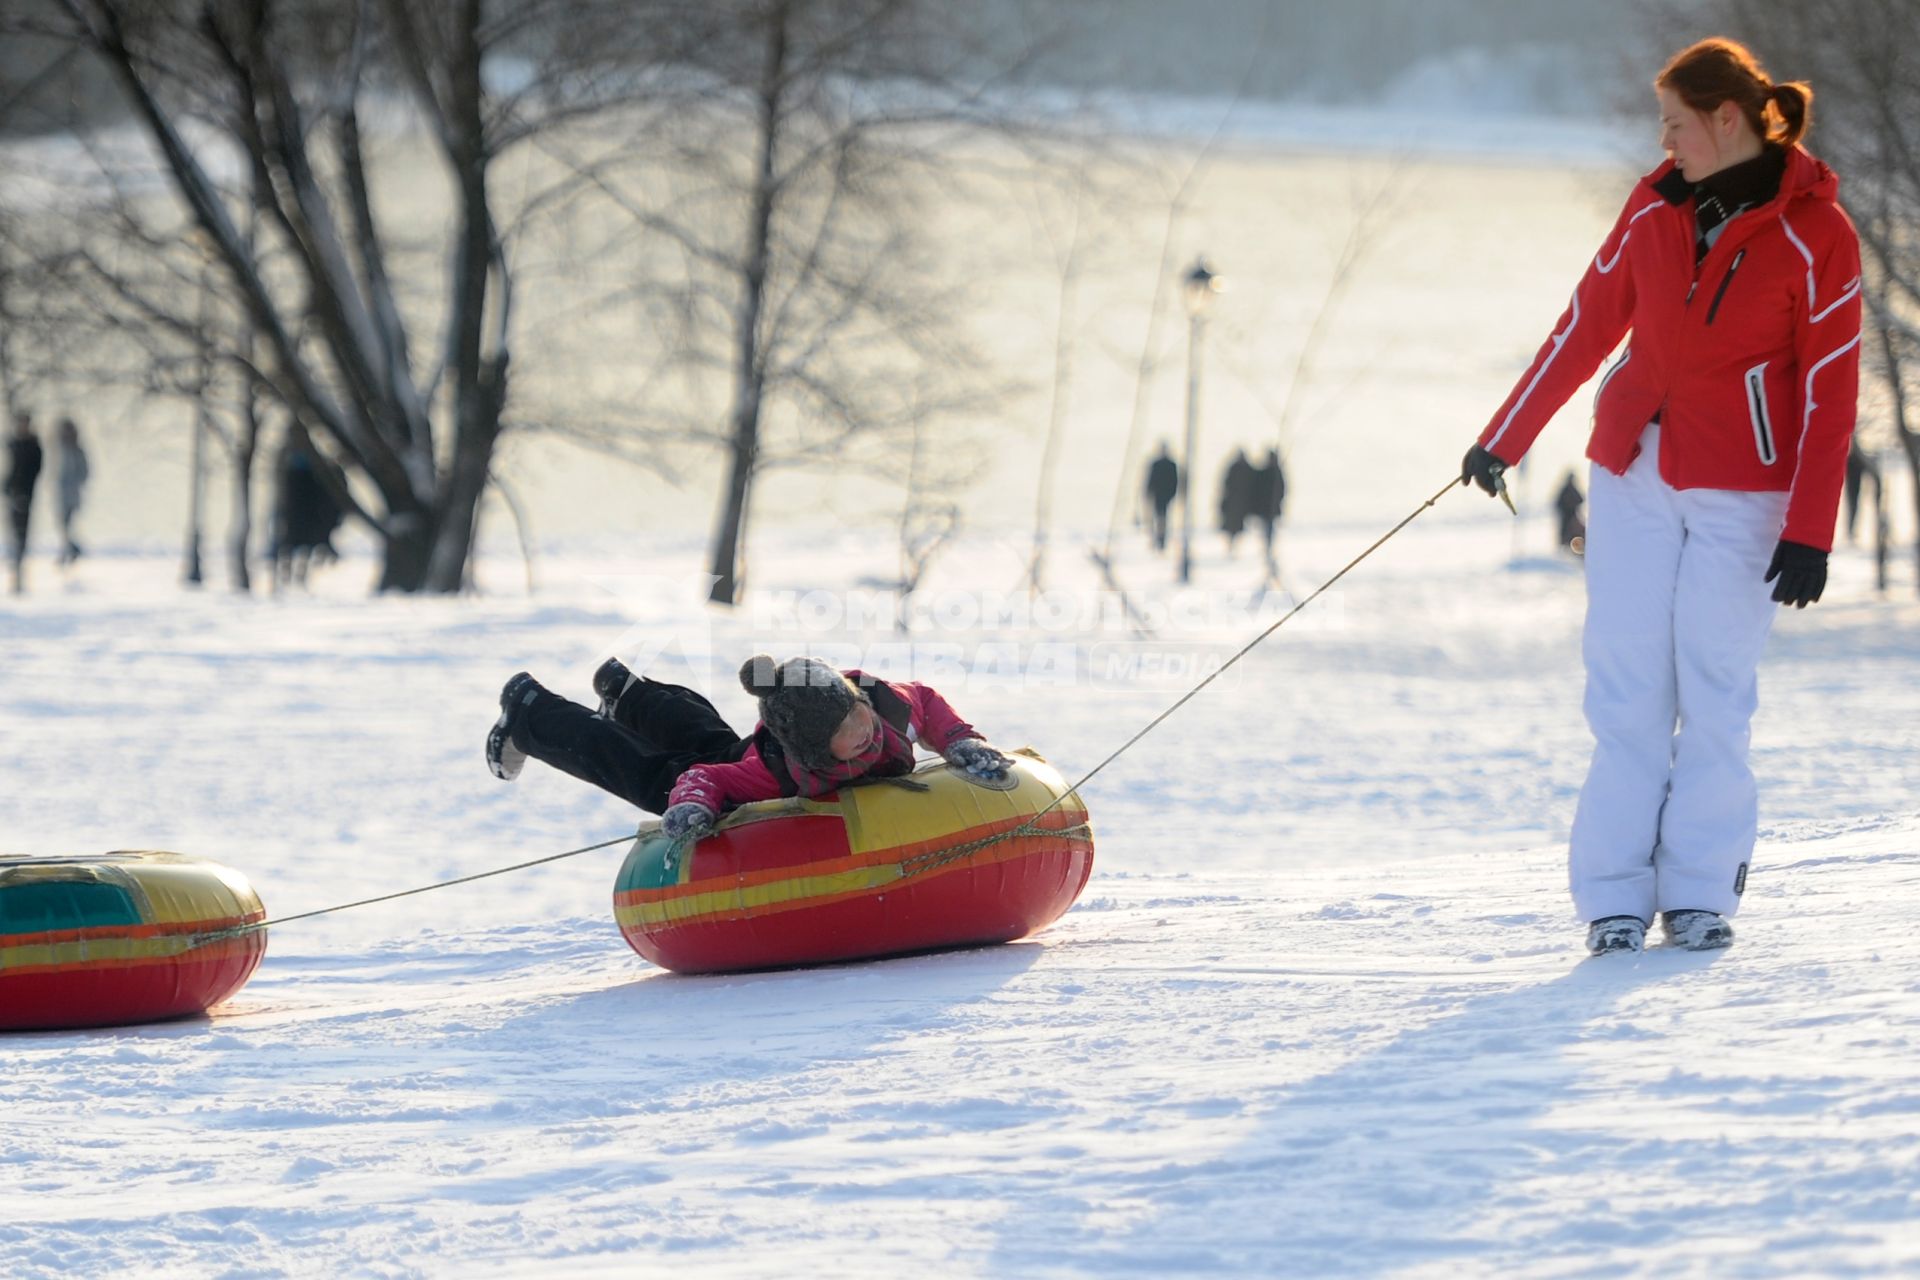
point(610, 681)
point(516, 697)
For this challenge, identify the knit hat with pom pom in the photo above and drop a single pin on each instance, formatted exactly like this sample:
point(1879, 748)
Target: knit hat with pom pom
point(803, 703)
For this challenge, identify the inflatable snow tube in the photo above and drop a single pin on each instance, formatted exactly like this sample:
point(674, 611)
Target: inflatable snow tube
point(121, 937)
point(877, 869)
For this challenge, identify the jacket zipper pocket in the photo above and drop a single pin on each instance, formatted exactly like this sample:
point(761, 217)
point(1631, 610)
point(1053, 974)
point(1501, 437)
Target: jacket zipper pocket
point(1601, 390)
point(1757, 411)
point(1725, 280)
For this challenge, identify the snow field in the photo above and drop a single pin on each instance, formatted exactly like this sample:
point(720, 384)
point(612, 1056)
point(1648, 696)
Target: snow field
point(1320, 1011)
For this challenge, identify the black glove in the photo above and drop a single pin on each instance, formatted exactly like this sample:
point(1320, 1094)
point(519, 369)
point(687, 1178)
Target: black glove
point(686, 821)
point(1802, 571)
point(1482, 468)
point(978, 759)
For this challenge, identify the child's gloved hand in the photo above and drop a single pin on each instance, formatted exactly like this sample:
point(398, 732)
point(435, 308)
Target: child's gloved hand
point(686, 821)
point(978, 759)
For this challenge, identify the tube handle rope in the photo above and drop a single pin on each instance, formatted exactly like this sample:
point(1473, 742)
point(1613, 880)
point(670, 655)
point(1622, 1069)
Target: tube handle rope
point(1247, 648)
point(236, 930)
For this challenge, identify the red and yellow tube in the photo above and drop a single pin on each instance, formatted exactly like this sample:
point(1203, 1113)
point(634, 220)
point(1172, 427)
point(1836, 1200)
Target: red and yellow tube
point(119, 938)
point(872, 870)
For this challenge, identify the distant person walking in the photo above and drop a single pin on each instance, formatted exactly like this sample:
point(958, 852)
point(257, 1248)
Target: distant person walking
point(305, 513)
point(23, 472)
point(1567, 503)
point(1860, 468)
point(1163, 486)
point(72, 473)
point(1268, 498)
point(1236, 497)
point(1719, 449)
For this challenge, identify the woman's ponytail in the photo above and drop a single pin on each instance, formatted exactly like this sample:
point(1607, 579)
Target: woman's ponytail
point(1792, 102)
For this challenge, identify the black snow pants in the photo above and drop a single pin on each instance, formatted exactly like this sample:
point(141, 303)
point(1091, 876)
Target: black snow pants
point(657, 732)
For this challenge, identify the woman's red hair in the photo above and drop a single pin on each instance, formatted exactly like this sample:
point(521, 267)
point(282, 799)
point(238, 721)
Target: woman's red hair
point(1720, 70)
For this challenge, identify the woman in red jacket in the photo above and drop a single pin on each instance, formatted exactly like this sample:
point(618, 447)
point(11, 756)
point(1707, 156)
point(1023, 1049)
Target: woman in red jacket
point(1719, 449)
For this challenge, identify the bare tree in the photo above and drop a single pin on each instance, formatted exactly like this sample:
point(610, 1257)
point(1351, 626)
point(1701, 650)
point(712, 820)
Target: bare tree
point(1068, 260)
point(804, 283)
point(263, 105)
point(229, 410)
point(10, 320)
point(26, 358)
point(929, 517)
point(155, 327)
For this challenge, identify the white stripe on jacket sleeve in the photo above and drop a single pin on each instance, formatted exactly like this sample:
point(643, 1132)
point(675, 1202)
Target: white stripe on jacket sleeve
point(1601, 267)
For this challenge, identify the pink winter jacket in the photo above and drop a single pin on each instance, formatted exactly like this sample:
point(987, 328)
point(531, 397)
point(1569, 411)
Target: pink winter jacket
point(932, 722)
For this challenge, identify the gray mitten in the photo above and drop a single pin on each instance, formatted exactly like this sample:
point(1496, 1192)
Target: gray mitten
point(686, 821)
point(978, 759)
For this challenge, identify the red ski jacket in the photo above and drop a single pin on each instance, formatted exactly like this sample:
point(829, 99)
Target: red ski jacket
point(929, 719)
point(1751, 361)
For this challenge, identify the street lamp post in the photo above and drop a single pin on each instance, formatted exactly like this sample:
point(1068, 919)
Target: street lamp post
point(197, 480)
point(1199, 286)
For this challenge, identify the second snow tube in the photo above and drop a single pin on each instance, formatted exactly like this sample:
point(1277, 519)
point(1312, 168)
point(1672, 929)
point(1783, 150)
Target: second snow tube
point(872, 870)
point(118, 938)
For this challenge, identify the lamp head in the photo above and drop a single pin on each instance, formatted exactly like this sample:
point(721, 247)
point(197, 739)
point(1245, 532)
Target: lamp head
point(1200, 285)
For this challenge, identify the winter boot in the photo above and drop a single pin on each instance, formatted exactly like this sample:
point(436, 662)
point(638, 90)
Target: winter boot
point(1697, 930)
point(503, 757)
point(1616, 933)
point(610, 681)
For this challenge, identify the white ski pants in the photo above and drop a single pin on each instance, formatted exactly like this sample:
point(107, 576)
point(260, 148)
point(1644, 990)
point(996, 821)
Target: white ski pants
point(1677, 616)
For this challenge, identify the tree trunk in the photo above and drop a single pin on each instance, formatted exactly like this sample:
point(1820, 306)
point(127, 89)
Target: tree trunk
point(1910, 441)
point(240, 525)
point(407, 552)
point(191, 572)
point(479, 373)
point(733, 517)
point(1880, 531)
point(461, 490)
point(749, 375)
point(9, 399)
point(246, 448)
point(1886, 326)
point(1057, 412)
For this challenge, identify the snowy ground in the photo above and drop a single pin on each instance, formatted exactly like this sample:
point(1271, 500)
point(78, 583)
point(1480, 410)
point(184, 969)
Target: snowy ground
point(1321, 1010)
